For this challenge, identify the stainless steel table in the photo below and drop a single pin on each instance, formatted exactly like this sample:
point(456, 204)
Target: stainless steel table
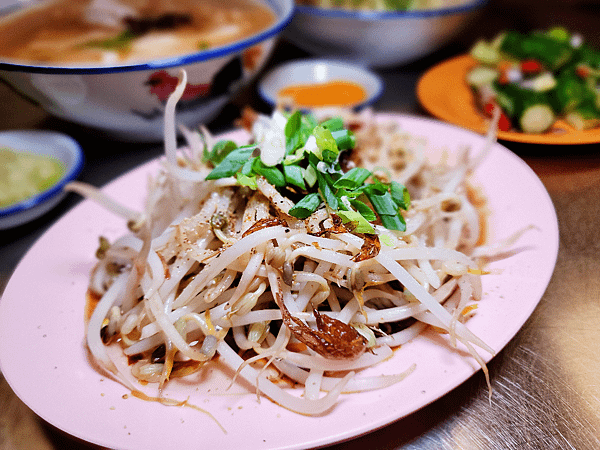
point(546, 382)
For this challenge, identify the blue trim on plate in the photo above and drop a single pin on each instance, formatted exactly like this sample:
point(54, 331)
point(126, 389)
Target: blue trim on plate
point(371, 100)
point(205, 55)
point(40, 198)
point(388, 15)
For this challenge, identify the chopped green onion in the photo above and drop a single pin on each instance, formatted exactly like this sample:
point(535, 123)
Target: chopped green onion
point(325, 187)
point(329, 156)
point(325, 141)
point(218, 152)
point(310, 175)
point(292, 133)
point(122, 41)
point(333, 124)
point(362, 208)
point(244, 180)
point(294, 157)
point(353, 178)
point(294, 175)
point(311, 165)
point(383, 204)
point(396, 222)
point(344, 139)
point(271, 173)
point(375, 188)
point(247, 167)
point(362, 226)
point(306, 206)
point(231, 163)
point(400, 195)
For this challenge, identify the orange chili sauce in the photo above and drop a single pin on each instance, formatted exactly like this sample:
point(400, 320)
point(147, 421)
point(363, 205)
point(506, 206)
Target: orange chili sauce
point(91, 301)
point(332, 93)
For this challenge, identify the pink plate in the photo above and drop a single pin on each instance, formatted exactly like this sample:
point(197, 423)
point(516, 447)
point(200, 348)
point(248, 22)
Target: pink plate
point(43, 358)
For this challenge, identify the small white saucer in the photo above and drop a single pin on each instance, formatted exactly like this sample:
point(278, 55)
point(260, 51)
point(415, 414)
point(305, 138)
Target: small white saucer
point(49, 143)
point(316, 71)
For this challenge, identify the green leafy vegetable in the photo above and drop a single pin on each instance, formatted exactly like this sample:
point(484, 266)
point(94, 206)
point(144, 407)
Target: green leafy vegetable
point(244, 180)
point(334, 124)
point(356, 218)
point(247, 167)
point(219, 151)
point(315, 171)
point(353, 178)
point(400, 195)
point(325, 141)
point(344, 139)
point(272, 174)
point(122, 41)
point(383, 204)
point(294, 175)
point(326, 190)
point(306, 206)
point(366, 212)
point(231, 163)
point(293, 134)
point(310, 175)
point(396, 222)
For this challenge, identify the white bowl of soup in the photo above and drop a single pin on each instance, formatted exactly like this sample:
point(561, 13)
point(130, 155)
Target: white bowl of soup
point(378, 33)
point(111, 64)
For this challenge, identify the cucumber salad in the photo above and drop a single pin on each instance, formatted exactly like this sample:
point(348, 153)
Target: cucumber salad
point(536, 79)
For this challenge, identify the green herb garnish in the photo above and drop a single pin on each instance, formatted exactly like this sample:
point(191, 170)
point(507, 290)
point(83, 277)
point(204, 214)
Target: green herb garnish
point(122, 41)
point(231, 162)
point(311, 169)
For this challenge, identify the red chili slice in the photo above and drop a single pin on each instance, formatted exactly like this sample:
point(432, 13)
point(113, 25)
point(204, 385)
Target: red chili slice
point(583, 71)
point(488, 108)
point(531, 66)
point(504, 123)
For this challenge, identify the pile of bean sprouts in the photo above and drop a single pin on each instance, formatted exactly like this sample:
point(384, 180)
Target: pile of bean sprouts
point(213, 268)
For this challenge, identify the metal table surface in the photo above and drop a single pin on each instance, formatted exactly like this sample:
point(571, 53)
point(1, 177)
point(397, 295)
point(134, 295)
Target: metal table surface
point(545, 382)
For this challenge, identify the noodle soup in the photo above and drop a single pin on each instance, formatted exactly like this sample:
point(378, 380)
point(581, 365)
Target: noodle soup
point(112, 32)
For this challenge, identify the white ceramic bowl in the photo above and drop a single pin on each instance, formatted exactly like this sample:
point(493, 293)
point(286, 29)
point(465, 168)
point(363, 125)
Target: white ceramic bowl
point(48, 143)
point(377, 38)
point(125, 101)
point(313, 71)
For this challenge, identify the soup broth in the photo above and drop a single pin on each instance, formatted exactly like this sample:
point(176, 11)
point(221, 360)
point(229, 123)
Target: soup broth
point(109, 32)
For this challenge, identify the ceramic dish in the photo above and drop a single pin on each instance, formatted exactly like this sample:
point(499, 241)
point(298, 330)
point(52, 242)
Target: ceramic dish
point(127, 100)
point(43, 357)
point(444, 93)
point(56, 145)
point(318, 71)
point(378, 38)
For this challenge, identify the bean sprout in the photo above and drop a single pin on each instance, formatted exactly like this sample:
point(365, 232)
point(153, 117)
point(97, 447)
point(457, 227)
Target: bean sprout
point(221, 269)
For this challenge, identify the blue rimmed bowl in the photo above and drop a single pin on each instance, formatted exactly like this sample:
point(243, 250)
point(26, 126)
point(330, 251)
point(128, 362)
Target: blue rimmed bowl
point(127, 101)
point(378, 38)
point(46, 143)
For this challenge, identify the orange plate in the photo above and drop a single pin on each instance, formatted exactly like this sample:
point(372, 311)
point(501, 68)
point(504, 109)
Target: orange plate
point(443, 92)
